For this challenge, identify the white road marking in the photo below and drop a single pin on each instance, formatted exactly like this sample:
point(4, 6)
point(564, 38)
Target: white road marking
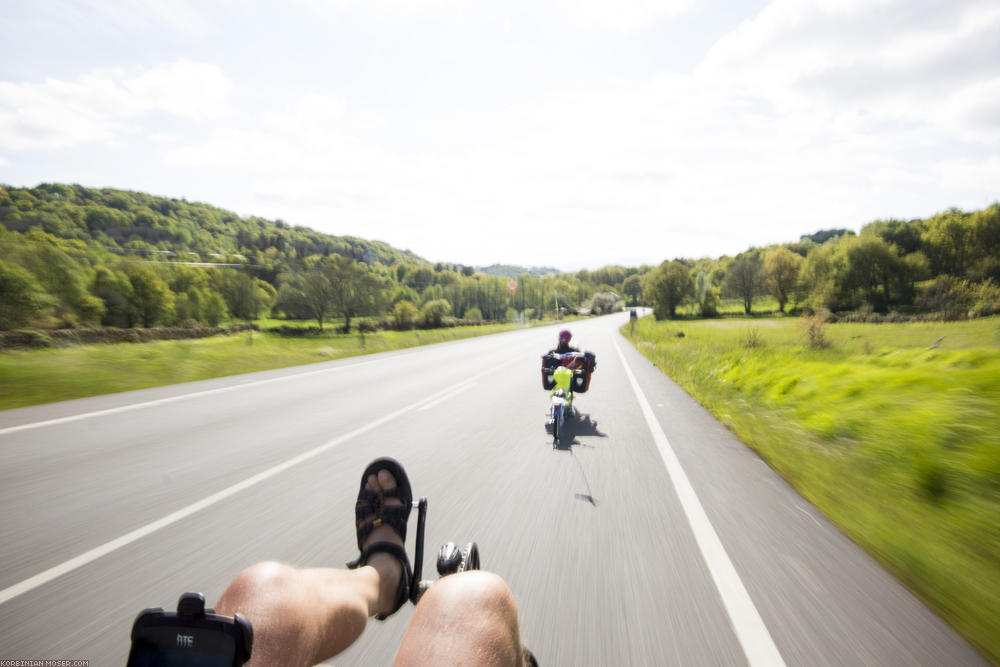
point(172, 399)
point(41, 578)
point(758, 646)
point(457, 390)
point(808, 514)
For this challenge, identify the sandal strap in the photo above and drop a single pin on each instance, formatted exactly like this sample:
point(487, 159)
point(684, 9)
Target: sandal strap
point(403, 592)
point(371, 513)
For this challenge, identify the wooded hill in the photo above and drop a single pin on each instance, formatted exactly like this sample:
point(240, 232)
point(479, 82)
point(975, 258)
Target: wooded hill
point(73, 256)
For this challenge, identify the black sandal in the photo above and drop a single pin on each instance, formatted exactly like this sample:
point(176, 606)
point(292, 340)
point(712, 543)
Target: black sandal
point(370, 512)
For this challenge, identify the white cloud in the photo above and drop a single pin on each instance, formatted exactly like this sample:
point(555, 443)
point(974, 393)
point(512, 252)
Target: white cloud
point(96, 107)
point(809, 115)
point(915, 61)
point(127, 16)
point(623, 14)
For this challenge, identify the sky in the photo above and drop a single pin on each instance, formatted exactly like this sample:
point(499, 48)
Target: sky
point(570, 134)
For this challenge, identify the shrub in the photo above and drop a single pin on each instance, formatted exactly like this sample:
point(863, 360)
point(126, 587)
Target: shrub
point(405, 315)
point(473, 314)
point(752, 338)
point(434, 312)
point(947, 295)
point(985, 299)
point(367, 326)
point(816, 332)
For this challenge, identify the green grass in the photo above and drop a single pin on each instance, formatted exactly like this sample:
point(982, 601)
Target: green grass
point(31, 377)
point(895, 439)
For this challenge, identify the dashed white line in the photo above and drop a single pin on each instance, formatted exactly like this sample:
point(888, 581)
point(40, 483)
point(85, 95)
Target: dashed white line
point(457, 390)
point(97, 552)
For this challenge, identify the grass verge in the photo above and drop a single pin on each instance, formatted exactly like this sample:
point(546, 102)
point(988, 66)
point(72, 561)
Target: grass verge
point(32, 377)
point(892, 430)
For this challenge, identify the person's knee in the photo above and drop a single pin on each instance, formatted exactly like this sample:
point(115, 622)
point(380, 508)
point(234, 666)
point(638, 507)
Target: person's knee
point(474, 589)
point(466, 618)
point(256, 586)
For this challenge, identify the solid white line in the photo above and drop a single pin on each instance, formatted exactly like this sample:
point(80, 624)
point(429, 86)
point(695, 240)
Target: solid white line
point(457, 390)
point(172, 399)
point(758, 646)
point(87, 557)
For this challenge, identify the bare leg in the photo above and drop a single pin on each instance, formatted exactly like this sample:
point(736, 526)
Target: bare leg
point(464, 619)
point(306, 616)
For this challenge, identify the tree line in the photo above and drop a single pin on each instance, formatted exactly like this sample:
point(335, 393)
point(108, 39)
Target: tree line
point(80, 257)
point(948, 264)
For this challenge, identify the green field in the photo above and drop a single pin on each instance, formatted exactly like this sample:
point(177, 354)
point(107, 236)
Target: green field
point(31, 377)
point(892, 430)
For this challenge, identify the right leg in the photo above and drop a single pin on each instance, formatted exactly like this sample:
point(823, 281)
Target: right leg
point(467, 619)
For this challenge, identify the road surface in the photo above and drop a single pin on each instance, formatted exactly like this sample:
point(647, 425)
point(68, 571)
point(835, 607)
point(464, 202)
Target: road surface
point(653, 537)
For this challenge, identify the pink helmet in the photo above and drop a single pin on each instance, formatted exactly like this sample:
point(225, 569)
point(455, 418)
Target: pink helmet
point(565, 335)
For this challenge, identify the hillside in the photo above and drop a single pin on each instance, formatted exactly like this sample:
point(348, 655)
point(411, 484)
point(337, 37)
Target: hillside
point(73, 257)
point(134, 222)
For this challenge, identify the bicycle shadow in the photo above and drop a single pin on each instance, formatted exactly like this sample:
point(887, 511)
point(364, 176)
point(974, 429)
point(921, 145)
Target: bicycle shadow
point(579, 425)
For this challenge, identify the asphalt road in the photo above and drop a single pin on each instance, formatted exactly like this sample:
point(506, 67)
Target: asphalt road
point(654, 537)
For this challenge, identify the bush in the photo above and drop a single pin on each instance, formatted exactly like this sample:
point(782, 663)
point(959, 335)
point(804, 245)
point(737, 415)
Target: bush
point(947, 295)
point(367, 326)
point(752, 338)
point(293, 332)
point(405, 315)
point(473, 314)
point(434, 312)
point(985, 299)
point(816, 332)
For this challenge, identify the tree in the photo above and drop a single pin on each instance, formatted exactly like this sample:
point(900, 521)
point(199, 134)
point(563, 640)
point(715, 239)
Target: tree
point(781, 273)
point(705, 295)
point(668, 286)
point(64, 270)
point(307, 293)
point(213, 308)
point(115, 290)
point(632, 288)
point(743, 278)
point(151, 300)
point(604, 302)
point(870, 264)
point(356, 291)
point(947, 243)
point(21, 296)
point(245, 295)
